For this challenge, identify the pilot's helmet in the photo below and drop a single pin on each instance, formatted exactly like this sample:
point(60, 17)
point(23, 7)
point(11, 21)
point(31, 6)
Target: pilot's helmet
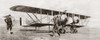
point(8, 16)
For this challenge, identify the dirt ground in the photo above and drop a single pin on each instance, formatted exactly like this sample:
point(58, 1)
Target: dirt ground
point(30, 34)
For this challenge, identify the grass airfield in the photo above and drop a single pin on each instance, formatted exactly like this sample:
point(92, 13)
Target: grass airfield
point(21, 33)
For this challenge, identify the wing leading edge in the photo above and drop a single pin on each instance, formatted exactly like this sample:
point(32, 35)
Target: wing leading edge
point(43, 11)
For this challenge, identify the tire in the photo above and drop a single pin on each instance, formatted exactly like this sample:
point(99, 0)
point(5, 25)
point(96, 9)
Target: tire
point(62, 31)
point(74, 31)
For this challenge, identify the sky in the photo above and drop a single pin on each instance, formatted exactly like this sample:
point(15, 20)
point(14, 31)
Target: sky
point(84, 7)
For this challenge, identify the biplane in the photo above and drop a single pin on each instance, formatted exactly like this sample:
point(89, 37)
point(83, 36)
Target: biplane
point(35, 10)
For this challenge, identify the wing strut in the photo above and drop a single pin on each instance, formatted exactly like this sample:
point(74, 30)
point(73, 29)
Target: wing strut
point(31, 17)
point(41, 18)
point(37, 18)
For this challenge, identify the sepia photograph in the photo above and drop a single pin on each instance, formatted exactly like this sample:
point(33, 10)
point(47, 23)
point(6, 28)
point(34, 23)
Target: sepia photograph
point(49, 20)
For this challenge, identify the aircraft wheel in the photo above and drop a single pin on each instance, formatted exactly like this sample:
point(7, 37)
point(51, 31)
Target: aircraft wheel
point(74, 31)
point(62, 31)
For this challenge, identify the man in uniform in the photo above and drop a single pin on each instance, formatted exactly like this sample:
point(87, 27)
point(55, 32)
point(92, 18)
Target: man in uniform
point(8, 21)
point(59, 23)
point(56, 25)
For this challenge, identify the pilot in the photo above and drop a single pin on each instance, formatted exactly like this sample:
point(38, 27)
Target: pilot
point(8, 21)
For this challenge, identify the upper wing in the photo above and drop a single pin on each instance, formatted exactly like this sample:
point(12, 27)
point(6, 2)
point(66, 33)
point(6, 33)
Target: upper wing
point(43, 11)
point(33, 10)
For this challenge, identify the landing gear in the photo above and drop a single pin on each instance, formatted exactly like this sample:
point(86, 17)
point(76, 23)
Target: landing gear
point(74, 31)
point(62, 31)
